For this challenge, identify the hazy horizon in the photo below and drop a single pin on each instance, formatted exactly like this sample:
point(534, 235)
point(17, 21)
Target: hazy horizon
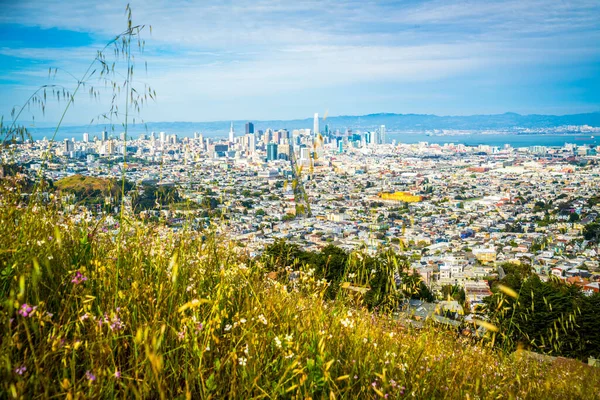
point(50, 124)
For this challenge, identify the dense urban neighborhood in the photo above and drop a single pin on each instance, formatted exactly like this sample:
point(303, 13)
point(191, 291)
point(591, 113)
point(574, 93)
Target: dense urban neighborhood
point(457, 212)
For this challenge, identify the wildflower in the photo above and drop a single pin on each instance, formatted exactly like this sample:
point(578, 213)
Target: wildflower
point(90, 376)
point(355, 376)
point(227, 328)
point(246, 350)
point(116, 324)
point(289, 338)
point(393, 383)
point(262, 319)
point(242, 361)
point(277, 342)
point(181, 335)
point(21, 370)
point(84, 317)
point(26, 310)
point(207, 348)
point(78, 278)
point(243, 320)
point(199, 326)
point(50, 258)
point(117, 374)
point(347, 323)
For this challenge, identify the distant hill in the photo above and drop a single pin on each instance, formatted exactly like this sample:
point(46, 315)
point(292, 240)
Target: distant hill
point(89, 189)
point(393, 122)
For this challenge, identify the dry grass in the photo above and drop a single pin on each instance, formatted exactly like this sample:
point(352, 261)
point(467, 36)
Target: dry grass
point(138, 311)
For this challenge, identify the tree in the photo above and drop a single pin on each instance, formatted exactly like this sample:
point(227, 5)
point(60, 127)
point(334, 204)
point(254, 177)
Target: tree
point(551, 317)
point(454, 292)
point(153, 196)
point(280, 254)
point(592, 232)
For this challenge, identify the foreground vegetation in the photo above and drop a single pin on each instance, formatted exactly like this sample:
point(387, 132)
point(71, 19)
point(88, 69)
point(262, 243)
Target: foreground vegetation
point(131, 310)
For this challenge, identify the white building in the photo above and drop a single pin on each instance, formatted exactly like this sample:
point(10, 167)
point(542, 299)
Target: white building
point(231, 134)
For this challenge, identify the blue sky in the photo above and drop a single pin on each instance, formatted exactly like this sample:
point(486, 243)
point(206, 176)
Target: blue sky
point(268, 59)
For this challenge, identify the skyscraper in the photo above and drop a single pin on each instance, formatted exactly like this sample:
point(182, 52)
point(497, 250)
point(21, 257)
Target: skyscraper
point(381, 135)
point(271, 151)
point(69, 146)
point(316, 124)
point(231, 134)
point(268, 135)
point(86, 137)
point(249, 128)
point(249, 143)
point(104, 136)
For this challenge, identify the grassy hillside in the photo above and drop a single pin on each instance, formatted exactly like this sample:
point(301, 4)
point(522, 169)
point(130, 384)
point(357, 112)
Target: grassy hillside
point(88, 188)
point(78, 183)
point(88, 310)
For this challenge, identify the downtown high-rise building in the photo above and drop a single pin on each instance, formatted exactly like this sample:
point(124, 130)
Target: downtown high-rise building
point(68, 146)
point(268, 136)
point(249, 143)
point(382, 133)
point(86, 137)
point(231, 134)
point(271, 151)
point(316, 124)
point(249, 128)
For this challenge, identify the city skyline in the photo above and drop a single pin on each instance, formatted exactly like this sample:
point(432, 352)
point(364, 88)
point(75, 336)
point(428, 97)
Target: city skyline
point(277, 60)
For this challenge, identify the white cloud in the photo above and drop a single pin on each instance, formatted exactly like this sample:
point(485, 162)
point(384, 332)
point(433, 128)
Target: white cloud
point(214, 50)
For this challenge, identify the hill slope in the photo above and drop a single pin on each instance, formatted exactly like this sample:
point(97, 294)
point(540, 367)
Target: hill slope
point(90, 311)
